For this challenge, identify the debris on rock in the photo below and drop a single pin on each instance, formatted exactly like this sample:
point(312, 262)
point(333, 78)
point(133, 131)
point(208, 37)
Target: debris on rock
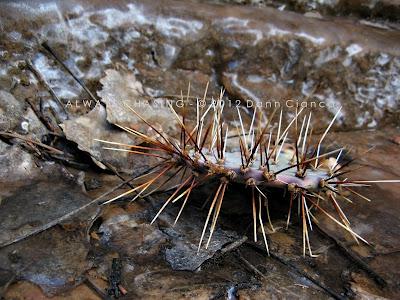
point(122, 91)
point(84, 131)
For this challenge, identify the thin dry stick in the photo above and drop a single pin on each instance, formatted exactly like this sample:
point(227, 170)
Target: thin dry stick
point(44, 83)
point(52, 52)
point(17, 136)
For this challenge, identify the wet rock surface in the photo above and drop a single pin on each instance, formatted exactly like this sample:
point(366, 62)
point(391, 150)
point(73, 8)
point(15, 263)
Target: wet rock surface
point(16, 164)
point(17, 116)
point(54, 259)
point(57, 267)
point(378, 220)
point(36, 200)
point(256, 53)
point(149, 252)
point(131, 235)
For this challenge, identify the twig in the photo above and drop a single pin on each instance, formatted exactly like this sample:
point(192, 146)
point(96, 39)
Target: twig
point(17, 136)
point(43, 82)
point(355, 258)
point(249, 265)
point(82, 84)
point(283, 261)
point(52, 52)
point(96, 289)
point(234, 245)
point(43, 119)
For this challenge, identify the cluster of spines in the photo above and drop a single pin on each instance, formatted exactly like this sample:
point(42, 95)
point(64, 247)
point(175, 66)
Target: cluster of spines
point(186, 154)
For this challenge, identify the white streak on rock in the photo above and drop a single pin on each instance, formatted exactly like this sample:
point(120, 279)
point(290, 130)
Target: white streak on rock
point(353, 49)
